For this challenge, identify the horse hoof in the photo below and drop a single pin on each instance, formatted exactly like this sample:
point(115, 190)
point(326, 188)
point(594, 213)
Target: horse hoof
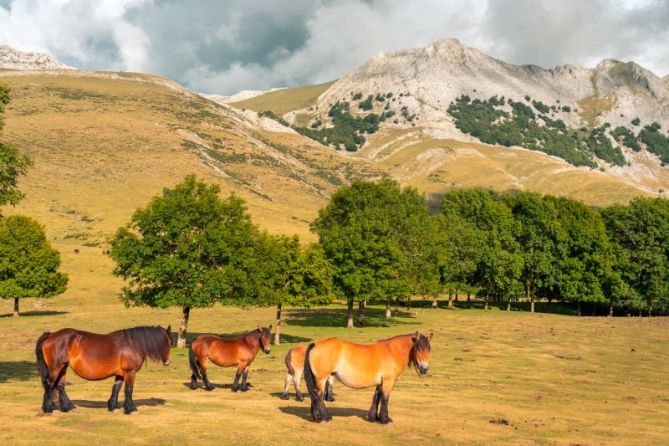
point(386, 421)
point(209, 389)
point(373, 419)
point(285, 397)
point(298, 398)
point(244, 389)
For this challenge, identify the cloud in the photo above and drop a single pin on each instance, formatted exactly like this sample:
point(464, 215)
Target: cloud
point(230, 45)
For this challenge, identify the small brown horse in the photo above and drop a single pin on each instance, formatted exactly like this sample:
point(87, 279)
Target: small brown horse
point(295, 368)
point(95, 356)
point(240, 351)
point(363, 365)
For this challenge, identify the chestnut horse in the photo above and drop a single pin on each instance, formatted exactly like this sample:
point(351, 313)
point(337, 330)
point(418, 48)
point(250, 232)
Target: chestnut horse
point(95, 356)
point(240, 351)
point(363, 365)
point(295, 368)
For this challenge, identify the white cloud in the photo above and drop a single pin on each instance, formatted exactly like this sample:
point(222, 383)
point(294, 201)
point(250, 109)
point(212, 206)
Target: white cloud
point(230, 45)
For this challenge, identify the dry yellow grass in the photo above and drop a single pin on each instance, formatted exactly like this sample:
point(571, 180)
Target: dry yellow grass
point(282, 101)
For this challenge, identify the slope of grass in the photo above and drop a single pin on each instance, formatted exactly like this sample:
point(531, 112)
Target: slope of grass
point(282, 101)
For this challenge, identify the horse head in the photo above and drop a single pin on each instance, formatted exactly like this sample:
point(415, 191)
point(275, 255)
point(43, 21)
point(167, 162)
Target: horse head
point(265, 338)
point(420, 352)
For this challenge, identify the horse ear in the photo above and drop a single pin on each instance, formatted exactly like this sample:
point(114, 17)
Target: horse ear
point(416, 337)
point(429, 338)
point(270, 327)
point(259, 328)
point(169, 329)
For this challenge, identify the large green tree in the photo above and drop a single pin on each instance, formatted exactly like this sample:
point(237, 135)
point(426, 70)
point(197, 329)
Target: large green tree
point(640, 236)
point(295, 275)
point(28, 264)
point(189, 249)
point(12, 163)
point(372, 234)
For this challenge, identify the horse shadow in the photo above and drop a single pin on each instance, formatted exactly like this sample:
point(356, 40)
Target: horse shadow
point(228, 386)
point(334, 317)
point(35, 313)
point(17, 371)
point(150, 402)
point(304, 412)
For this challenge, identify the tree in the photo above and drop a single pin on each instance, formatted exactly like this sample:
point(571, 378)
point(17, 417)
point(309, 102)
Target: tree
point(190, 249)
point(640, 236)
point(28, 263)
point(368, 232)
point(12, 163)
point(498, 263)
point(538, 237)
point(295, 275)
point(585, 269)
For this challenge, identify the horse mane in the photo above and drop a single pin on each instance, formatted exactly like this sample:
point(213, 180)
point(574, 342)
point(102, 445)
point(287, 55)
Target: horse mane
point(151, 342)
point(253, 332)
point(422, 344)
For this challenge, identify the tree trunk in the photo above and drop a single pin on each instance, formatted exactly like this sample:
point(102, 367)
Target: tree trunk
point(650, 312)
point(469, 297)
point(456, 296)
point(435, 304)
point(181, 339)
point(486, 303)
point(528, 294)
point(16, 307)
point(508, 305)
point(349, 314)
point(361, 313)
point(277, 330)
point(389, 312)
point(594, 310)
point(610, 310)
point(450, 300)
point(578, 307)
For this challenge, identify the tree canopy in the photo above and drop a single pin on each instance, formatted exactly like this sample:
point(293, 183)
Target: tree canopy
point(13, 164)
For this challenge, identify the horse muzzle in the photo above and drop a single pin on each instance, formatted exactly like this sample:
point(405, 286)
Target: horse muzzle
point(422, 368)
point(166, 362)
point(266, 350)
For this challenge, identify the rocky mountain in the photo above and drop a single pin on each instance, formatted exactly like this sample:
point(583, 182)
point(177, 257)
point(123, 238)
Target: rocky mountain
point(611, 118)
point(11, 59)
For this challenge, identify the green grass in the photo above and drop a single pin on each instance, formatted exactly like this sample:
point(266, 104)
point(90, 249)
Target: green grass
point(281, 102)
point(555, 379)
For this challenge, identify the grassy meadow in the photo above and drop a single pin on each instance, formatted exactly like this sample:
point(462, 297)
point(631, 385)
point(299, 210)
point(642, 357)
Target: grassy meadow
point(495, 377)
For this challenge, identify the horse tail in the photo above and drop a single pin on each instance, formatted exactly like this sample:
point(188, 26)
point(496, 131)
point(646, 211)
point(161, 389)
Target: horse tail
point(289, 362)
point(194, 366)
point(41, 362)
point(309, 376)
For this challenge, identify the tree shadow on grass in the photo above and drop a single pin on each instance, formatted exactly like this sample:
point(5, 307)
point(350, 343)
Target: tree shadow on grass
point(17, 371)
point(35, 313)
point(329, 317)
point(304, 412)
point(103, 404)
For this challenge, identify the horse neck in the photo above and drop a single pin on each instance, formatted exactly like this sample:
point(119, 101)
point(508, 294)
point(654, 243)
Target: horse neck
point(403, 345)
point(253, 340)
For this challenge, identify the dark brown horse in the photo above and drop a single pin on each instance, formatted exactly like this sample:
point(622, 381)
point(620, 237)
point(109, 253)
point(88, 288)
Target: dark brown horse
point(95, 356)
point(363, 365)
point(240, 352)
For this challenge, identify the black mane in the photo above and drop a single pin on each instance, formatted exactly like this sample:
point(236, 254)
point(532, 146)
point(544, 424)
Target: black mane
point(422, 344)
point(152, 342)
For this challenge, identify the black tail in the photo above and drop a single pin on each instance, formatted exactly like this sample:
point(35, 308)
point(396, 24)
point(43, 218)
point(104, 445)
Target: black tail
point(41, 363)
point(310, 378)
point(289, 362)
point(197, 372)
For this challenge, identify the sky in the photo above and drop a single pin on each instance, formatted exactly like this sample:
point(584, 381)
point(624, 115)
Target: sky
point(225, 46)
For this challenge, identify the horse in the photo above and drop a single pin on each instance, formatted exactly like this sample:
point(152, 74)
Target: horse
point(363, 365)
point(295, 367)
point(240, 351)
point(95, 356)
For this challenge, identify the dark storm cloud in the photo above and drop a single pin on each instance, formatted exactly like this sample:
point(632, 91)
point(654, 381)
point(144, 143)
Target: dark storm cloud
point(226, 46)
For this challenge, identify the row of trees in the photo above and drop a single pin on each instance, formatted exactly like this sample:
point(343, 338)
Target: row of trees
point(28, 264)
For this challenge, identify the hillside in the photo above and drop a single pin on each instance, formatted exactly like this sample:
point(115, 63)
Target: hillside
point(610, 120)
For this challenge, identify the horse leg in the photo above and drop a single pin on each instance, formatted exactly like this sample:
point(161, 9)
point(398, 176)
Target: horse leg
point(386, 387)
point(296, 380)
point(323, 414)
point(112, 404)
point(129, 405)
point(286, 385)
point(245, 373)
point(205, 378)
point(49, 385)
point(329, 394)
point(235, 383)
point(374, 410)
point(65, 402)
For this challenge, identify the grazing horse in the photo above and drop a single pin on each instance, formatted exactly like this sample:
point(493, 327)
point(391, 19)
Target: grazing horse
point(295, 367)
point(240, 351)
point(95, 356)
point(363, 365)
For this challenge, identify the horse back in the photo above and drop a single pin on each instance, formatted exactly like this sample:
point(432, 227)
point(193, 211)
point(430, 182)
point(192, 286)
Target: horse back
point(223, 352)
